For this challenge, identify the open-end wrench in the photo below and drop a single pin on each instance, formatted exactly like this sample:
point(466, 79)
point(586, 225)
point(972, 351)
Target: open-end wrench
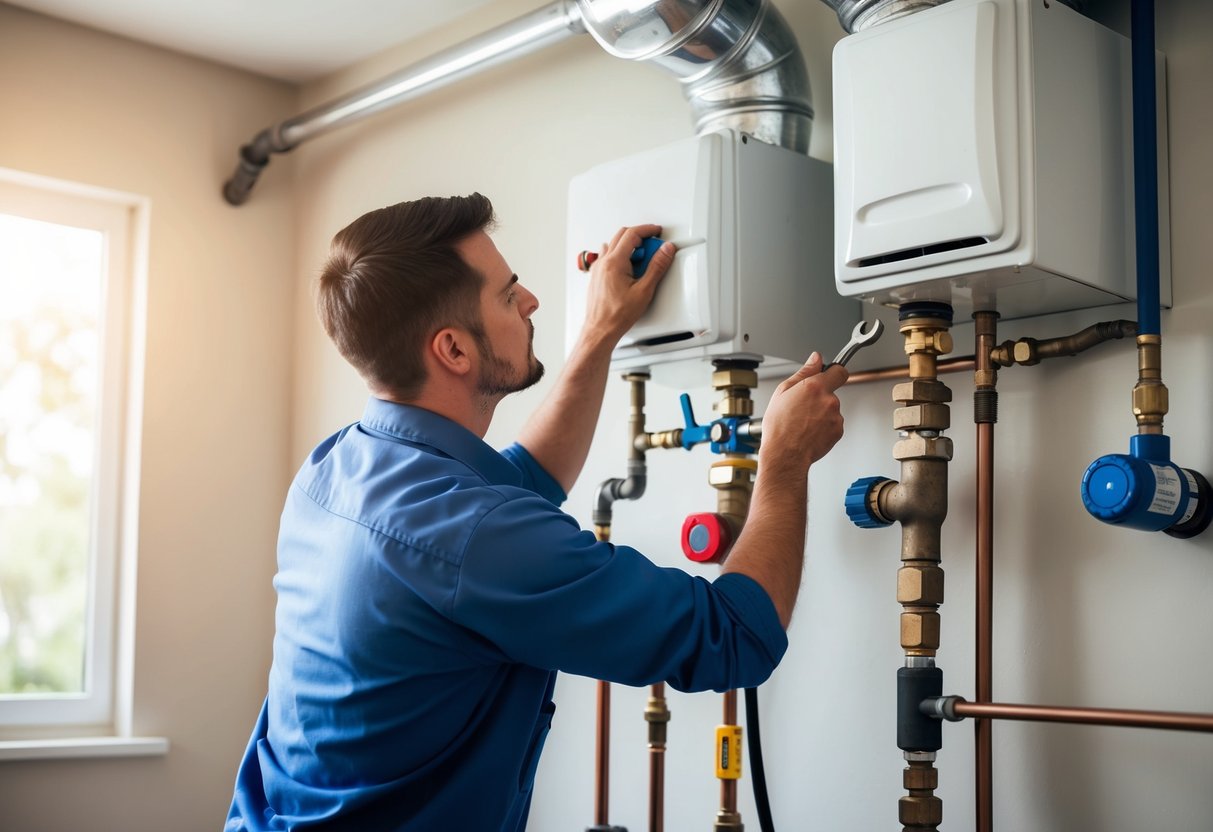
point(860, 338)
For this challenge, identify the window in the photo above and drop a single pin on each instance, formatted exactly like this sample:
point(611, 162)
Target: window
point(71, 343)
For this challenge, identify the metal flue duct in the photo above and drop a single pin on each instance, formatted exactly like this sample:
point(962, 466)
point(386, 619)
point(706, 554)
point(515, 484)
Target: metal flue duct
point(738, 61)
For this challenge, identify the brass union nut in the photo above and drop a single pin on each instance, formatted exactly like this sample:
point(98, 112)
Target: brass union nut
point(920, 585)
point(734, 378)
point(920, 777)
point(921, 390)
point(1150, 400)
point(920, 810)
point(916, 446)
point(735, 406)
point(926, 416)
point(920, 630)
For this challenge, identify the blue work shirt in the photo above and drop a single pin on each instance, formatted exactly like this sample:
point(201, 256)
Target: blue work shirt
point(428, 589)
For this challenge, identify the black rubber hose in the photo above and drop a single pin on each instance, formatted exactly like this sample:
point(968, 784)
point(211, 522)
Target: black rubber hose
point(759, 776)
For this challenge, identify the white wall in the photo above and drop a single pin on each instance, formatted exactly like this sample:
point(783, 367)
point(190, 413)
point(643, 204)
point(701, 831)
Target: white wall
point(1085, 614)
point(91, 108)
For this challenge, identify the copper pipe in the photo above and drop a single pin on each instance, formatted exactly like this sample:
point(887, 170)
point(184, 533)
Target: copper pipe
point(985, 414)
point(657, 768)
point(602, 763)
point(1162, 720)
point(1029, 351)
point(953, 365)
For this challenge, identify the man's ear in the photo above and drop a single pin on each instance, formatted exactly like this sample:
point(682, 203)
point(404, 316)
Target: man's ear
point(451, 349)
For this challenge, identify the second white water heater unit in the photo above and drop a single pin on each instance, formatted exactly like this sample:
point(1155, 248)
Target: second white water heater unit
point(983, 158)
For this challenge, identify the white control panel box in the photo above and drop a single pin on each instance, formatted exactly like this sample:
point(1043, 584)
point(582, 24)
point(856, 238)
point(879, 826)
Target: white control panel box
point(752, 278)
point(983, 158)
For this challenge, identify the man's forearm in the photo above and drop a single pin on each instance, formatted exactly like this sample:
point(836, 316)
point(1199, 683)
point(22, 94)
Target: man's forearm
point(771, 546)
point(559, 434)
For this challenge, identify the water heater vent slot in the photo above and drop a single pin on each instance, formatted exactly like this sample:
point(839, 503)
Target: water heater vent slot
point(664, 339)
point(920, 251)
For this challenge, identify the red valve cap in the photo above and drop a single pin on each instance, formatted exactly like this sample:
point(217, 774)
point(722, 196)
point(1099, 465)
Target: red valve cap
point(706, 538)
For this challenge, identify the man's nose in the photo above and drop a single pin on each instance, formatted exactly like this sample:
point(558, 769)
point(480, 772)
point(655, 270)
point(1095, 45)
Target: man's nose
point(531, 303)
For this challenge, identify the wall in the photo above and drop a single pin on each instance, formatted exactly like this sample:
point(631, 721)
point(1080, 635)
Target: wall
point(1085, 614)
point(101, 110)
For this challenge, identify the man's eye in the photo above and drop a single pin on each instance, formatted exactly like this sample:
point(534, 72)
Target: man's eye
point(509, 298)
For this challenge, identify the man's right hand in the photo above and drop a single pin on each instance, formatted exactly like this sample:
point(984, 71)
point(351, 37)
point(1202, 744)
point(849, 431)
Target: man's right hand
point(803, 420)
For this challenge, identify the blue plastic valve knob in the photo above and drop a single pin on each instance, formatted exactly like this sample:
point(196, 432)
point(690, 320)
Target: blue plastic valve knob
point(857, 506)
point(643, 253)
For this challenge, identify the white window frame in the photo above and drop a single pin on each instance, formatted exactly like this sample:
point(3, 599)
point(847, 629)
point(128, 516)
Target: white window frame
point(45, 725)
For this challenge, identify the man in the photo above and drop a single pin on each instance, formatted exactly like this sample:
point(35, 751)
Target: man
point(429, 587)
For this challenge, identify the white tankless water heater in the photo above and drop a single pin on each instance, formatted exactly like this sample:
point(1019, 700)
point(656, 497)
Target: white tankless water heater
point(752, 278)
point(983, 158)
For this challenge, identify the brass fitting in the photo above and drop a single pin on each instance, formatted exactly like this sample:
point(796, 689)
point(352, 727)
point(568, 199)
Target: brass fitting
point(732, 470)
point(663, 439)
point(728, 822)
point(922, 390)
point(917, 446)
point(920, 811)
point(922, 417)
point(920, 776)
point(732, 377)
point(657, 715)
point(919, 585)
point(603, 533)
point(1150, 397)
point(736, 383)
point(919, 632)
point(733, 479)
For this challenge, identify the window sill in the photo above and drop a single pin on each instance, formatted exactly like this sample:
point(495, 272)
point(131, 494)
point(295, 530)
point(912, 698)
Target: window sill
point(82, 747)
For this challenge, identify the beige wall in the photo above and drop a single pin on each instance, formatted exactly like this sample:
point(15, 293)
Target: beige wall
point(1086, 614)
point(87, 107)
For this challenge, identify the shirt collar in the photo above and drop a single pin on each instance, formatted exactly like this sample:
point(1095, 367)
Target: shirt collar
point(424, 427)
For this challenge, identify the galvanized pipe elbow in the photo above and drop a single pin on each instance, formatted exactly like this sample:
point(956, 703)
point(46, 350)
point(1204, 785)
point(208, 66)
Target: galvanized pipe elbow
point(738, 61)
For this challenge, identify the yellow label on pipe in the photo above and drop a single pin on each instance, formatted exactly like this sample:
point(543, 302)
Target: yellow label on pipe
point(728, 752)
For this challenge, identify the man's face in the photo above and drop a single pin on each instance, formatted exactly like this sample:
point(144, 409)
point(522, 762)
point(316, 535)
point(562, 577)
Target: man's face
point(506, 340)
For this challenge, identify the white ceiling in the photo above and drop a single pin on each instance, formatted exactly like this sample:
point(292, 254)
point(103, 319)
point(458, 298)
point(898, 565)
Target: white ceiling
point(292, 40)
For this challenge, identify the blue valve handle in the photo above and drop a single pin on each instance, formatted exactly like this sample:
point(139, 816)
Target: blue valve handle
point(692, 433)
point(695, 434)
point(643, 253)
point(856, 503)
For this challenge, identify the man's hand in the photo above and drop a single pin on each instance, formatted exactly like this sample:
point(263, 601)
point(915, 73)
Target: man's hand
point(559, 433)
point(803, 420)
point(616, 299)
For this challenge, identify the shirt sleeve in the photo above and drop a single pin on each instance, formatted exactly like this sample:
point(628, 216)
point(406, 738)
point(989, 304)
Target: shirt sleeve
point(552, 596)
point(534, 476)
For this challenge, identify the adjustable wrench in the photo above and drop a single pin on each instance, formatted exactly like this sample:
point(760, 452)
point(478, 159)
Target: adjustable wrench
point(860, 338)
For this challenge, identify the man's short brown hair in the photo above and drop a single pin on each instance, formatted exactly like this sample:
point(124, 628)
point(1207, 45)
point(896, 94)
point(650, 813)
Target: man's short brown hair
point(394, 278)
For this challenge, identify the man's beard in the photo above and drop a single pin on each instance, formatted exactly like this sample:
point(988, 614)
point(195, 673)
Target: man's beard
point(498, 377)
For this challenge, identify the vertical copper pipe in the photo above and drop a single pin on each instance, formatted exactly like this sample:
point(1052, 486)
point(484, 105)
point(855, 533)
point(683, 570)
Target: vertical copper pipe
point(657, 773)
point(985, 414)
point(728, 788)
point(602, 764)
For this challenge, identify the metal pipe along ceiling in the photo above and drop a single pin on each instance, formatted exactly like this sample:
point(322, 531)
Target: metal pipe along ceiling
point(738, 61)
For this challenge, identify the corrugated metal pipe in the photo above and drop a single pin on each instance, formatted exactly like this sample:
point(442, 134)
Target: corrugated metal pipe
point(738, 61)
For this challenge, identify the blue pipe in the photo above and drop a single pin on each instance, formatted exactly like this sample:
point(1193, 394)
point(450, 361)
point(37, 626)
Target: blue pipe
point(1144, 489)
point(1145, 167)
